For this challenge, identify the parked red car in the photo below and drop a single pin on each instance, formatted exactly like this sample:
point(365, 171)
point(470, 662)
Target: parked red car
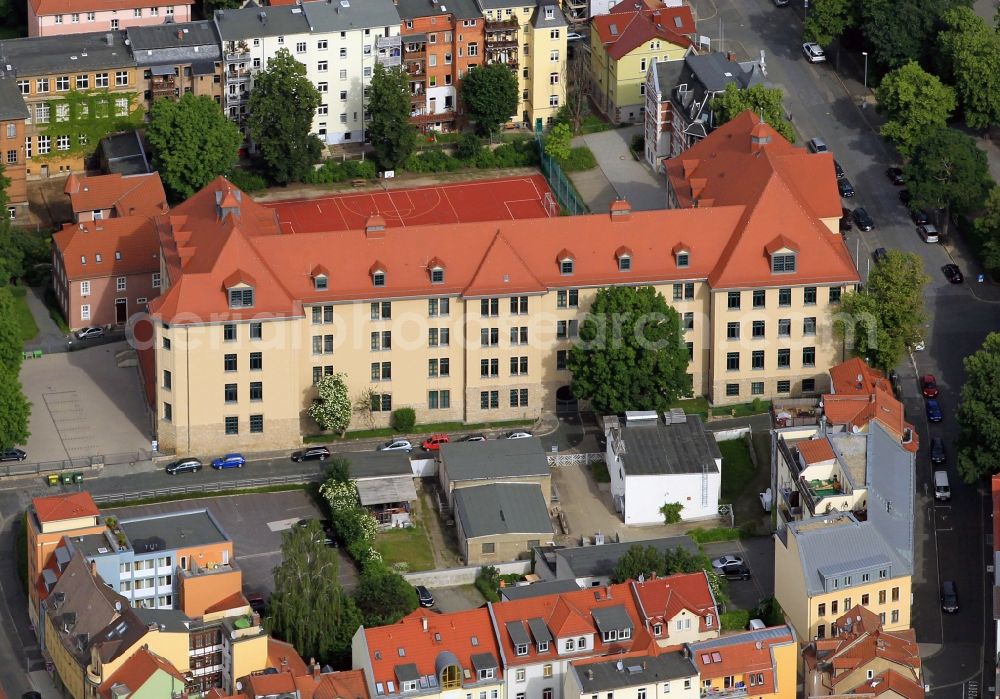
point(434, 442)
point(928, 386)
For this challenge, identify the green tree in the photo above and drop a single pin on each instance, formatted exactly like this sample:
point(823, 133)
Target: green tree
point(979, 413)
point(11, 253)
point(338, 469)
point(631, 355)
point(210, 6)
point(987, 231)
point(914, 103)
point(829, 19)
point(899, 31)
point(490, 96)
point(383, 597)
point(885, 316)
point(309, 608)
point(638, 560)
point(11, 349)
point(193, 143)
point(558, 141)
point(759, 99)
point(332, 408)
point(14, 409)
point(970, 49)
point(392, 135)
point(469, 146)
point(281, 109)
point(948, 172)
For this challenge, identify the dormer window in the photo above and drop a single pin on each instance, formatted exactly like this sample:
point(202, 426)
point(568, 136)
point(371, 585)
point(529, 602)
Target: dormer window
point(543, 646)
point(487, 673)
point(783, 263)
point(611, 635)
point(409, 686)
point(657, 629)
point(521, 649)
point(570, 644)
point(241, 298)
point(377, 271)
point(708, 620)
point(682, 255)
point(682, 259)
point(320, 282)
point(436, 269)
point(565, 260)
point(624, 257)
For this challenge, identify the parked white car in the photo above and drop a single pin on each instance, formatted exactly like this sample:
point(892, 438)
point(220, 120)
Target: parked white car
point(516, 434)
point(814, 53)
point(396, 445)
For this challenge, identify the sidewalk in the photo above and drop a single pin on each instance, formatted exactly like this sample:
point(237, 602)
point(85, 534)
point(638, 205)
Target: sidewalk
point(617, 174)
point(50, 337)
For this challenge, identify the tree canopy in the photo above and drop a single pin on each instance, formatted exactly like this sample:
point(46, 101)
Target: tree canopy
point(979, 413)
point(490, 96)
point(970, 49)
point(648, 561)
point(899, 31)
point(828, 19)
point(759, 99)
point(631, 355)
point(390, 131)
point(558, 141)
point(193, 143)
point(309, 608)
point(947, 171)
point(282, 105)
point(914, 103)
point(879, 321)
point(384, 597)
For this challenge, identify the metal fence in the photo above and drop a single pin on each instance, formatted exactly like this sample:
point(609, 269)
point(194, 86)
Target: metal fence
point(572, 459)
point(20, 468)
point(566, 194)
point(221, 487)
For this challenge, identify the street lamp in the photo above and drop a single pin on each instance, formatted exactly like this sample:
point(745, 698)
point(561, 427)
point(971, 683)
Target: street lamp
point(865, 54)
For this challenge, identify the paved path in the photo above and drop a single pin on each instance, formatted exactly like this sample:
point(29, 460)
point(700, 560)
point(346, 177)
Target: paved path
point(50, 337)
point(618, 173)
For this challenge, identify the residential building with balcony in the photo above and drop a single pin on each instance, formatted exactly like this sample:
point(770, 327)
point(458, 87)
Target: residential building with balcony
point(530, 39)
point(338, 43)
point(178, 59)
point(760, 663)
point(63, 17)
point(669, 675)
point(73, 86)
point(441, 43)
point(623, 45)
point(13, 116)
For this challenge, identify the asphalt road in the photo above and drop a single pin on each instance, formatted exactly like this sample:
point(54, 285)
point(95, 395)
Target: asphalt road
point(949, 537)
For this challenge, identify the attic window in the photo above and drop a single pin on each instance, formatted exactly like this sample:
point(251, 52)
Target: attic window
point(241, 298)
point(543, 646)
point(565, 259)
point(657, 629)
point(378, 278)
point(521, 649)
point(98, 258)
point(708, 620)
point(320, 281)
point(624, 263)
point(118, 255)
point(783, 263)
point(550, 12)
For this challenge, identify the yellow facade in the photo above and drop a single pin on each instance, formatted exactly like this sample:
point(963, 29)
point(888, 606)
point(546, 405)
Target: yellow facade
point(171, 646)
point(620, 83)
point(249, 653)
point(70, 671)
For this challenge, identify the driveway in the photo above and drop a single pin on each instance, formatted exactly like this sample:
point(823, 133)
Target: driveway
point(618, 174)
point(83, 404)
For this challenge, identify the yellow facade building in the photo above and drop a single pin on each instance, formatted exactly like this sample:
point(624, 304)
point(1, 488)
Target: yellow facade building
point(760, 663)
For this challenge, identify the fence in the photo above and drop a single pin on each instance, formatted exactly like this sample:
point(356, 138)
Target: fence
point(735, 433)
point(220, 487)
point(574, 459)
point(17, 468)
point(565, 192)
point(450, 577)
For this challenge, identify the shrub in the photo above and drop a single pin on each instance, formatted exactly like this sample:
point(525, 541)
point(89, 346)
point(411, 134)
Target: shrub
point(488, 583)
point(485, 159)
point(356, 169)
point(469, 146)
point(671, 512)
point(247, 181)
point(580, 158)
point(734, 620)
point(403, 419)
point(705, 536)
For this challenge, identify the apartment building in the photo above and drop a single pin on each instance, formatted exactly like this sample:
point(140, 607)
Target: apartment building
point(338, 42)
point(77, 88)
point(63, 17)
point(441, 43)
point(759, 663)
point(667, 676)
point(624, 43)
point(13, 115)
point(178, 59)
point(530, 38)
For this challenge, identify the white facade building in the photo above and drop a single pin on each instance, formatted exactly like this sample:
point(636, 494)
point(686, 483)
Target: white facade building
point(338, 42)
point(653, 463)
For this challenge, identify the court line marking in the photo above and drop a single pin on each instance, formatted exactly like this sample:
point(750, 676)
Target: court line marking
point(394, 206)
point(444, 192)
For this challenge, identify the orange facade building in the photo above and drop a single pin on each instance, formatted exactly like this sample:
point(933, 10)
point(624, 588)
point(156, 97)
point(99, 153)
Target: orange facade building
point(13, 113)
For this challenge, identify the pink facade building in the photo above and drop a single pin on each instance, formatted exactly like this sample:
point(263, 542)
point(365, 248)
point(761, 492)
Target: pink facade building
point(56, 17)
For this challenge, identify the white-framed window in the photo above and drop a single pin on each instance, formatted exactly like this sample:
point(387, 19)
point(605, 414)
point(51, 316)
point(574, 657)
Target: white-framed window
point(44, 145)
point(323, 88)
point(343, 75)
point(85, 312)
point(322, 110)
point(62, 142)
point(120, 283)
point(554, 55)
point(91, 16)
point(59, 19)
point(300, 47)
point(24, 86)
point(553, 100)
point(137, 12)
point(85, 288)
point(156, 280)
point(121, 106)
point(82, 81)
point(62, 82)
point(154, 11)
point(343, 52)
point(27, 146)
point(322, 66)
point(101, 79)
point(121, 77)
point(114, 24)
point(322, 45)
point(62, 111)
point(42, 113)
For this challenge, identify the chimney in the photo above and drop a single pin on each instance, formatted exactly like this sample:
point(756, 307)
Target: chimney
point(375, 227)
point(620, 210)
point(607, 592)
point(109, 38)
point(590, 674)
point(423, 623)
point(758, 138)
point(315, 668)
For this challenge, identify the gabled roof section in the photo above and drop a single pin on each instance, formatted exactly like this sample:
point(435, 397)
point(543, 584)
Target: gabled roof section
point(862, 394)
point(815, 451)
point(626, 28)
point(136, 671)
point(131, 195)
point(780, 243)
point(109, 247)
point(502, 270)
point(742, 653)
point(662, 599)
point(81, 605)
point(54, 508)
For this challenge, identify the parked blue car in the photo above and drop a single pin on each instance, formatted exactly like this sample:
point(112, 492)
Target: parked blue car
point(229, 461)
point(934, 410)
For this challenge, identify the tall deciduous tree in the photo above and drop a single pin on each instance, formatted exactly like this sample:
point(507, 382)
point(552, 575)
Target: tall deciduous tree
point(383, 597)
point(579, 87)
point(970, 49)
point(490, 96)
point(630, 355)
point(11, 349)
point(282, 105)
point(14, 409)
point(829, 19)
point(759, 100)
point(309, 608)
point(987, 231)
point(979, 413)
point(332, 409)
point(193, 143)
point(887, 314)
point(647, 561)
point(390, 131)
point(899, 31)
point(948, 172)
point(558, 141)
point(914, 103)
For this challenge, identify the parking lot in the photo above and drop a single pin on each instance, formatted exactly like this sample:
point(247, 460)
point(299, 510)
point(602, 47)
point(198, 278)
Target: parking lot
point(758, 554)
point(83, 404)
point(255, 523)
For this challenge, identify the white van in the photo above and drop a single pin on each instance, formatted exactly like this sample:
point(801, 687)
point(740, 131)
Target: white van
point(942, 491)
point(928, 232)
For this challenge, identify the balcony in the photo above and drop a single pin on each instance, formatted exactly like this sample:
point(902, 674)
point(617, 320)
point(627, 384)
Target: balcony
point(493, 25)
point(415, 69)
point(501, 41)
point(735, 692)
point(237, 75)
point(163, 87)
point(415, 52)
point(418, 97)
point(424, 117)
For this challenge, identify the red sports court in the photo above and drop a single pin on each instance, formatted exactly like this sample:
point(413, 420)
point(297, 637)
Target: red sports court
point(480, 200)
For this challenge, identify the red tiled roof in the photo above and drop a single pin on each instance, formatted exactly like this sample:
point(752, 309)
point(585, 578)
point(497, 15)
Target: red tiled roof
point(349, 684)
point(662, 599)
point(739, 654)
point(270, 685)
point(53, 508)
point(233, 601)
point(131, 195)
point(892, 681)
point(130, 238)
point(815, 450)
point(135, 671)
point(784, 191)
point(627, 28)
point(862, 394)
point(844, 378)
point(281, 655)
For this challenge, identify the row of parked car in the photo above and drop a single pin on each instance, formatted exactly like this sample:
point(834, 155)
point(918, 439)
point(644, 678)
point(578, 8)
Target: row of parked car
point(434, 442)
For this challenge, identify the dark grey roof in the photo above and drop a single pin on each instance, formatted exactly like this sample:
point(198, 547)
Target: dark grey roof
point(94, 545)
point(647, 670)
point(345, 15)
point(249, 22)
point(167, 619)
point(125, 154)
point(655, 448)
point(462, 9)
point(388, 490)
point(597, 561)
point(484, 661)
point(43, 55)
point(500, 458)
point(613, 618)
point(518, 636)
point(538, 589)
point(667, 75)
point(539, 630)
point(172, 36)
point(539, 21)
point(407, 672)
point(11, 102)
point(378, 464)
point(202, 68)
point(172, 530)
point(502, 508)
point(85, 603)
point(769, 635)
point(890, 474)
point(714, 71)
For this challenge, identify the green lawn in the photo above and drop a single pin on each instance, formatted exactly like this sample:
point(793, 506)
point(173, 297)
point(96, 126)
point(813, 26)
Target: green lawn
point(600, 472)
point(699, 406)
point(430, 428)
point(738, 470)
point(25, 321)
point(410, 546)
point(693, 406)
